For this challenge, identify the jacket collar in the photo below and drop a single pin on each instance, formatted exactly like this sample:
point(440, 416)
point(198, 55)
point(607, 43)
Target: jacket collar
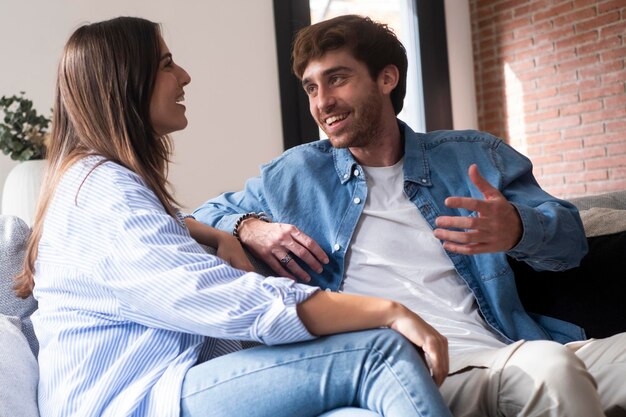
point(416, 167)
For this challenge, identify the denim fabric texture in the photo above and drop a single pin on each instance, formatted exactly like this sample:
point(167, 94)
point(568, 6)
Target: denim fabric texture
point(377, 370)
point(321, 190)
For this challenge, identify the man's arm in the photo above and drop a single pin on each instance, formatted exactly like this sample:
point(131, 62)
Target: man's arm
point(536, 228)
point(268, 241)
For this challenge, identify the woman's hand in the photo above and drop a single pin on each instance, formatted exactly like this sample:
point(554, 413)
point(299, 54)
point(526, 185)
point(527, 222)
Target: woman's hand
point(230, 250)
point(423, 335)
point(227, 246)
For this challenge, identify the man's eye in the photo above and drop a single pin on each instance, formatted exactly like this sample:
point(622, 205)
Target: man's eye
point(336, 79)
point(310, 89)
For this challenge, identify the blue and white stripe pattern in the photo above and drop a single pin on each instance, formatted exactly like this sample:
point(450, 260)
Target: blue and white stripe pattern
point(128, 301)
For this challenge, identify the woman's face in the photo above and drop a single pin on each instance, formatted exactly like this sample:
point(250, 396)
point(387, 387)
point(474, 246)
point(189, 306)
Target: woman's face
point(167, 113)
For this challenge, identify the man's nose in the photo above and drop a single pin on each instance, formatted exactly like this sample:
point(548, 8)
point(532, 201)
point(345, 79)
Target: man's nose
point(325, 99)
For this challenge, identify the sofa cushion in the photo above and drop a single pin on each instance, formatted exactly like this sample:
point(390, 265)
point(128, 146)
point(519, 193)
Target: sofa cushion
point(600, 221)
point(13, 238)
point(18, 371)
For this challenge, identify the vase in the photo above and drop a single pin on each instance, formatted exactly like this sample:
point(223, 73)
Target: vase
point(21, 190)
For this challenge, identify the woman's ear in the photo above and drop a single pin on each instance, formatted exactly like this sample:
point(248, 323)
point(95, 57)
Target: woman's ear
point(388, 78)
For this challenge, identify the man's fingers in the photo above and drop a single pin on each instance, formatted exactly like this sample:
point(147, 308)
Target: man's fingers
point(480, 182)
point(311, 246)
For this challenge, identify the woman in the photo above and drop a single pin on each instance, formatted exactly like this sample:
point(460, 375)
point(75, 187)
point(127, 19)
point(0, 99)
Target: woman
point(133, 314)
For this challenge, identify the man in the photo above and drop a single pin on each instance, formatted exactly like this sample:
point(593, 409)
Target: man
point(427, 220)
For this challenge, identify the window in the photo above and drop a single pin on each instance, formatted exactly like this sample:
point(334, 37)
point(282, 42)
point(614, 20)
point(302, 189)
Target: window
point(419, 24)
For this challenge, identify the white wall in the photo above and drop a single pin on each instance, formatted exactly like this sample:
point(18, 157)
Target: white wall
point(228, 47)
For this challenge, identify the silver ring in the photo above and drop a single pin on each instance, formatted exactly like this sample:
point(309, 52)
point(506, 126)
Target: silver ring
point(286, 259)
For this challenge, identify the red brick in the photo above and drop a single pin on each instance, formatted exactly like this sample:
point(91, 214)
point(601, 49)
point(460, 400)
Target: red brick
point(616, 126)
point(541, 93)
point(577, 40)
point(541, 116)
point(598, 22)
point(583, 131)
point(608, 162)
point(615, 101)
point(551, 12)
point(577, 63)
point(607, 6)
point(563, 167)
point(553, 35)
point(534, 28)
point(617, 53)
point(563, 146)
point(561, 77)
point(604, 139)
point(538, 50)
point(542, 138)
point(618, 28)
point(508, 5)
point(577, 16)
point(561, 122)
point(557, 101)
point(581, 107)
point(586, 176)
point(617, 149)
point(610, 90)
point(605, 187)
point(602, 44)
point(604, 115)
point(601, 69)
point(614, 77)
point(582, 3)
point(585, 154)
point(618, 172)
point(575, 87)
point(547, 159)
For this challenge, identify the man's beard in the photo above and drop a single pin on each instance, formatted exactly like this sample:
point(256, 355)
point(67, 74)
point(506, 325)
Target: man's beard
point(366, 130)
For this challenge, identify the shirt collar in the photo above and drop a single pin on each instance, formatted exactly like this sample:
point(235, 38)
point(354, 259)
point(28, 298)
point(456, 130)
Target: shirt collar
point(416, 167)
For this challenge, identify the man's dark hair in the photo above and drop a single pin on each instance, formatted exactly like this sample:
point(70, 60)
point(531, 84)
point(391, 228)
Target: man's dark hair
point(372, 43)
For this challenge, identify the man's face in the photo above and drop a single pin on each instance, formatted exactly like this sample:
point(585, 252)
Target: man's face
point(344, 100)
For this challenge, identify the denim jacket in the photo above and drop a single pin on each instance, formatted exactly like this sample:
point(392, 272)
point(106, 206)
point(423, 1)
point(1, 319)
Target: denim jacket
point(322, 191)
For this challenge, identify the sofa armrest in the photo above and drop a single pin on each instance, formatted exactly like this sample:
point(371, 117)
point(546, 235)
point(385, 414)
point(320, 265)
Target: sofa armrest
point(590, 295)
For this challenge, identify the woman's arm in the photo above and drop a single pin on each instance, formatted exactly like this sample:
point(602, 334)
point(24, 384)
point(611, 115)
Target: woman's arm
point(328, 312)
point(228, 247)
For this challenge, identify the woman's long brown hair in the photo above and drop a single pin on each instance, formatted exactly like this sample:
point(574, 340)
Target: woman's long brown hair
point(104, 84)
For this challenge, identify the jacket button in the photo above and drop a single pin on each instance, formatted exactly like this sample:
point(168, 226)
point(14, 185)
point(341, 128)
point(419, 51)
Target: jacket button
point(356, 200)
point(337, 246)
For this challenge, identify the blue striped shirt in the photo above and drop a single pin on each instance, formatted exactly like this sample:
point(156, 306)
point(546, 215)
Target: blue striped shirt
point(128, 301)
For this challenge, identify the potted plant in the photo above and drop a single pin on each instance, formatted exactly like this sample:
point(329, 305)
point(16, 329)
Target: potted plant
point(23, 134)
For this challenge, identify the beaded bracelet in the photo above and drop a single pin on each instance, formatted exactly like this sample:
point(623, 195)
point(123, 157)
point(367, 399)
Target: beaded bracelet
point(261, 216)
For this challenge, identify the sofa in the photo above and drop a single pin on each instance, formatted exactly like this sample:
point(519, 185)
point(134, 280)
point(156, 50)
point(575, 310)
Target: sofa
point(590, 295)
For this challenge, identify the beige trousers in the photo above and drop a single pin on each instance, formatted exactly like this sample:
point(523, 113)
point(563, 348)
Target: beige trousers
point(540, 378)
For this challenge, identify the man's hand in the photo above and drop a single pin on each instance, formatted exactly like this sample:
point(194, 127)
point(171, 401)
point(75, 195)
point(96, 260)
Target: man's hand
point(497, 227)
point(272, 242)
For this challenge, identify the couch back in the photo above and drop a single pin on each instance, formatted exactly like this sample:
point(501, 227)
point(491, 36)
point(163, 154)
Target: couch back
point(14, 234)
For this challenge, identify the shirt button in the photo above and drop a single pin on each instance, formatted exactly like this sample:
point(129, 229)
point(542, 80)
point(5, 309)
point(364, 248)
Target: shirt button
point(337, 246)
point(356, 200)
point(346, 175)
point(424, 180)
point(357, 172)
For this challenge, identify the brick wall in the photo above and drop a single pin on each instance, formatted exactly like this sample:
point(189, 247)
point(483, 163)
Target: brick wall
point(551, 81)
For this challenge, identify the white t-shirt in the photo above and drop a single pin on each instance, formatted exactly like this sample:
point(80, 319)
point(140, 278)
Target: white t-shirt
point(394, 255)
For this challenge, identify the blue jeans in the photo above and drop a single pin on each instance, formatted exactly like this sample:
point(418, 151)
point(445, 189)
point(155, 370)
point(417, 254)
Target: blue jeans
point(378, 370)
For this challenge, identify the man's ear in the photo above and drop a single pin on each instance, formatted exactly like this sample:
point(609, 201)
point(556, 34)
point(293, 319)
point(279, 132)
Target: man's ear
point(388, 78)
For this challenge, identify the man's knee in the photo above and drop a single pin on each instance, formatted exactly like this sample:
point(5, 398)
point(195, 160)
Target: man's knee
point(549, 364)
